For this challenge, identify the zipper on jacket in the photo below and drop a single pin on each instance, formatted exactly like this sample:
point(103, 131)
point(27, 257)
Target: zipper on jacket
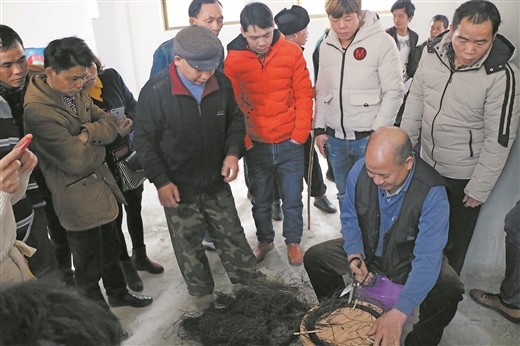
point(341, 91)
point(200, 112)
point(470, 143)
point(435, 117)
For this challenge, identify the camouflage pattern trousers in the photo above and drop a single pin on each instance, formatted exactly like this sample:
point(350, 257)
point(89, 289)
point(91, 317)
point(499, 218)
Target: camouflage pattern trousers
point(187, 224)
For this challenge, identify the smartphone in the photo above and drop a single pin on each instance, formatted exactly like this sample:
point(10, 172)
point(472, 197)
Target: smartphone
point(119, 113)
point(25, 144)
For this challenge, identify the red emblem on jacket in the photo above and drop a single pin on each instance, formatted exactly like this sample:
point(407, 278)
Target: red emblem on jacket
point(360, 53)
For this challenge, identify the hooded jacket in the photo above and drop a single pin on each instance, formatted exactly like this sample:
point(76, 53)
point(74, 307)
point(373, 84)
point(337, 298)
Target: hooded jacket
point(274, 93)
point(83, 189)
point(469, 117)
point(358, 89)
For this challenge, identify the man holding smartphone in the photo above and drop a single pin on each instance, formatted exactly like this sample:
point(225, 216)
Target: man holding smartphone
point(31, 221)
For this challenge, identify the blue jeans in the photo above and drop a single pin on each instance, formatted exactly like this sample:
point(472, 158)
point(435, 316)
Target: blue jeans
point(343, 154)
point(510, 288)
point(282, 162)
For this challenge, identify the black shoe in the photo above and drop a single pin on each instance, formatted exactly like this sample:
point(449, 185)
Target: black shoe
point(324, 205)
point(130, 299)
point(276, 212)
point(143, 263)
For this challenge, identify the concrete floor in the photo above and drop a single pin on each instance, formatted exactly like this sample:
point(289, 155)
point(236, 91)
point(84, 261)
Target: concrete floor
point(472, 325)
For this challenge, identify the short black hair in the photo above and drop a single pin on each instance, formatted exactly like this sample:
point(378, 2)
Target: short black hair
point(44, 312)
point(8, 38)
point(407, 5)
point(256, 14)
point(441, 18)
point(65, 53)
point(195, 6)
point(477, 12)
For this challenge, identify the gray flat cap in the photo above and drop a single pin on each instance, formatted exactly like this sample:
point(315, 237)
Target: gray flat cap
point(199, 46)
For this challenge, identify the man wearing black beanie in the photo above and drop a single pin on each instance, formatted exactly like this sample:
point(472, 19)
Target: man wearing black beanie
point(293, 24)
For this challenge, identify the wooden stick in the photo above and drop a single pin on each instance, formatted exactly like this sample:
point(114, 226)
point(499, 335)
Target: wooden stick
point(309, 181)
point(307, 332)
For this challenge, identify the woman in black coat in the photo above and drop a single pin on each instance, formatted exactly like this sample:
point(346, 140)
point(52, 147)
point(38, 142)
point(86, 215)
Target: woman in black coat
point(109, 92)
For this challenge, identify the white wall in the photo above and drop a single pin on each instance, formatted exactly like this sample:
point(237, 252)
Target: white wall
point(127, 33)
point(40, 22)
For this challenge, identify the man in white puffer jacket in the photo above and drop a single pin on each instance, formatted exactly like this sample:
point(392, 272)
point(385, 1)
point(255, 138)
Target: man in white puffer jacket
point(465, 96)
point(359, 86)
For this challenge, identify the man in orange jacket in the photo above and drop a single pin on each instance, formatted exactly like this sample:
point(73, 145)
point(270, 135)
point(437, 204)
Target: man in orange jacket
point(273, 89)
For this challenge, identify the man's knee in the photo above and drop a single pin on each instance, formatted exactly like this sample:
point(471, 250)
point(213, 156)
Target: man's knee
point(449, 285)
point(326, 254)
point(311, 256)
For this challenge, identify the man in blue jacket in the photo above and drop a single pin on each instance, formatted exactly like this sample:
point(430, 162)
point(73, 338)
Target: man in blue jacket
point(207, 13)
point(394, 222)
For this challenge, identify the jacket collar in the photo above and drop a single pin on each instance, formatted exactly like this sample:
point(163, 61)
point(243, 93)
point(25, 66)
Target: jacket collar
point(44, 94)
point(178, 87)
point(495, 59)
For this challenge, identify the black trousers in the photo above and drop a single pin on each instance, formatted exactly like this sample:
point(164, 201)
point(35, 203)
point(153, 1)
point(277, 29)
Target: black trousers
point(96, 255)
point(325, 264)
point(462, 223)
point(134, 221)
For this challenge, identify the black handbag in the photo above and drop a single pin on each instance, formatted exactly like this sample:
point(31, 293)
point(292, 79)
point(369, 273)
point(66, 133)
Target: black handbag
point(129, 168)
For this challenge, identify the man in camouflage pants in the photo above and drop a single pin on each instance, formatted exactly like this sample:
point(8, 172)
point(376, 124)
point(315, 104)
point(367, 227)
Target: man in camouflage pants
point(189, 135)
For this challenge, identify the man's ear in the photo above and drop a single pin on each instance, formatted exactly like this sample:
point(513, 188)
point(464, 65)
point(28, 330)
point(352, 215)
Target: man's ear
point(410, 19)
point(242, 31)
point(409, 162)
point(177, 60)
point(192, 21)
point(451, 29)
point(49, 71)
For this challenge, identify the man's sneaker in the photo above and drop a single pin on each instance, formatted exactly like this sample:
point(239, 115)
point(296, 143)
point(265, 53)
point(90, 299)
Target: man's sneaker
point(261, 249)
point(276, 211)
point(494, 302)
point(208, 245)
point(295, 254)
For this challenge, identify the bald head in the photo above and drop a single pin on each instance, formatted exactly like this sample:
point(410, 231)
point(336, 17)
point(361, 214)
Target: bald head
point(388, 157)
point(390, 141)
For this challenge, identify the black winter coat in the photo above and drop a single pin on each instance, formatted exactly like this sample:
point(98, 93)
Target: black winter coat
point(179, 141)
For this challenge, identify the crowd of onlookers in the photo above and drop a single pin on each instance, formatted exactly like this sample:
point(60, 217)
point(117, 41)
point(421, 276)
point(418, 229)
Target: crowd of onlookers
point(415, 135)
